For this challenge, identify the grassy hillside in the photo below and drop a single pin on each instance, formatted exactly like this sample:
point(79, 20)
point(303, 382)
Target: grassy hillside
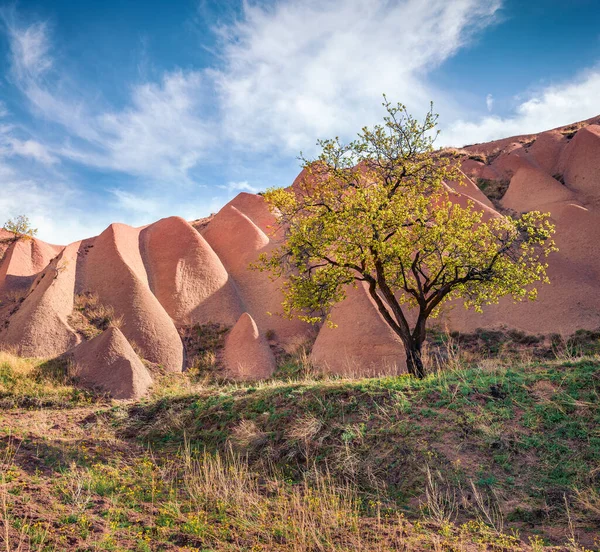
point(485, 457)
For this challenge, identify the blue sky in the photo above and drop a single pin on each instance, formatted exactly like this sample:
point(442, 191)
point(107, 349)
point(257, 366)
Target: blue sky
point(131, 111)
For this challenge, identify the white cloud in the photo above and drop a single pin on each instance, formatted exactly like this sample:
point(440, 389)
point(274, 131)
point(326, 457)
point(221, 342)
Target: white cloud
point(31, 149)
point(290, 73)
point(30, 48)
point(302, 69)
point(162, 134)
point(48, 205)
point(135, 202)
point(233, 187)
point(548, 108)
point(12, 145)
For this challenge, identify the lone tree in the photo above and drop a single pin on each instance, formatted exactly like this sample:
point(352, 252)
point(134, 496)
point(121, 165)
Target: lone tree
point(377, 210)
point(20, 227)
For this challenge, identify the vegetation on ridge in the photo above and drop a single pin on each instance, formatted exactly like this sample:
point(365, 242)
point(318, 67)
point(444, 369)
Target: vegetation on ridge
point(20, 227)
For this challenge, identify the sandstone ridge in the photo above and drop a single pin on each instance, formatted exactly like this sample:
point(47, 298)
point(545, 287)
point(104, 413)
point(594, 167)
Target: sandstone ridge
point(172, 274)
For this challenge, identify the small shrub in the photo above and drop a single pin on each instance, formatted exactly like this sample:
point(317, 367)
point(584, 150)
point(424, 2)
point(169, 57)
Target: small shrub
point(75, 487)
point(20, 227)
point(203, 343)
point(478, 157)
point(528, 143)
point(441, 504)
point(247, 436)
point(494, 190)
point(570, 131)
point(586, 341)
point(90, 317)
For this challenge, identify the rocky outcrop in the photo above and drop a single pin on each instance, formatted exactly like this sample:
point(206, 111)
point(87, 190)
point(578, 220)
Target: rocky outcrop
point(531, 189)
point(108, 362)
point(580, 163)
point(113, 269)
point(38, 325)
point(361, 343)
point(168, 276)
point(187, 276)
point(246, 354)
point(24, 259)
point(238, 242)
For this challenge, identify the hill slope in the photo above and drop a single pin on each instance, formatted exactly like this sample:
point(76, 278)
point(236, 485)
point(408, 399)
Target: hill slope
point(464, 460)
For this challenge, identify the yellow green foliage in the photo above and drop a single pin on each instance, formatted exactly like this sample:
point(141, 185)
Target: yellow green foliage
point(20, 227)
point(378, 210)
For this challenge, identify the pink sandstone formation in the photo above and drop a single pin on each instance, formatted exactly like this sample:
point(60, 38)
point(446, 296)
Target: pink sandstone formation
point(170, 274)
point(187, 276)
point(256, 209)
point(238, 242)
point(468, 188)
point(571, 301)
point(38, 325)
point(580, 163)
point(545, 151)
point(23, 260)
point(112, 267)
point(247, 354)
point(108, 362)
point(362, 342)
point(531, 189)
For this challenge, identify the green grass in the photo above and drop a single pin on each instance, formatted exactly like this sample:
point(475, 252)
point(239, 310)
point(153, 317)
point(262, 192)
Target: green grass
point(484, 457)
point(35, 383)
point(525, 434)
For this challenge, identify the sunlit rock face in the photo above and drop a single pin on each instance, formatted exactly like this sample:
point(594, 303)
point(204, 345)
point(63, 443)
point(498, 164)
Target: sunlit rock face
point(169, 275)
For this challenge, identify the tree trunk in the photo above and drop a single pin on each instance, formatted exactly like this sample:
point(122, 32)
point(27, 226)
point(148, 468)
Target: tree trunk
point(414, 361)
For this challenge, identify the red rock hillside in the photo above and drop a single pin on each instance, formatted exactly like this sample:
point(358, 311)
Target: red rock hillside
point(131, 293)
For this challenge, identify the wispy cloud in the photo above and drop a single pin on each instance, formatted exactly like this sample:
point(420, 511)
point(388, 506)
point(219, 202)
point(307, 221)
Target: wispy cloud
point(28, 148)
point(49, 205)
point(234, 187)
point(547, 108)
point(137, 203)
point(161, 135)
point(286, 73)
point(29, 47)
point(289, 73)
point(300, 69)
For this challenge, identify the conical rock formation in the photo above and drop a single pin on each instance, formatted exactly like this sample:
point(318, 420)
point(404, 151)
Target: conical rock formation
point(238, 242)
point(247, 354)
point(23, 260)
point(109, 362)
point(187, 276)
point(38, 326)
point(531, 188)
point(580, 163)
point(167, 276)
point(112, 268)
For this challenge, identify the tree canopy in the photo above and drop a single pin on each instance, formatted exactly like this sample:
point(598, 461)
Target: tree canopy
point(20, 227)
point(378, 210)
